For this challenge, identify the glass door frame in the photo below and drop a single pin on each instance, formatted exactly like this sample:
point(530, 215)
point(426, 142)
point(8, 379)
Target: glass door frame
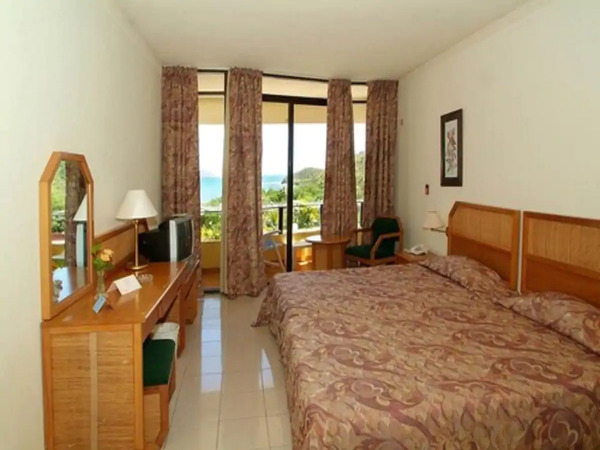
point(291, 101)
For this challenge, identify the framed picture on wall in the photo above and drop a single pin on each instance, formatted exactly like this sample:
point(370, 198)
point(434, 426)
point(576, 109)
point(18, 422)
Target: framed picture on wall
point(452, 149)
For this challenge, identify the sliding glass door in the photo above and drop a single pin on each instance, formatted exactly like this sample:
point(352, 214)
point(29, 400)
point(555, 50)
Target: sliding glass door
point(293, 162)
point(275, 137)
point(359, 112)
point(309, 146)
point(211, 139)
point(294, 141)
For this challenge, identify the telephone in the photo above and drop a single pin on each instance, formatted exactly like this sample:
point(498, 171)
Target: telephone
point(418, 249)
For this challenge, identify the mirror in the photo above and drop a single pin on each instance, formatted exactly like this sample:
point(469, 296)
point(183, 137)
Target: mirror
point(69, 218)
point(66, 231)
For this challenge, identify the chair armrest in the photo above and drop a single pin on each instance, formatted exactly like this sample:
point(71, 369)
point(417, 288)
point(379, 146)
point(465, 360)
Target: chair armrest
point(381, 238)
point(362, 232)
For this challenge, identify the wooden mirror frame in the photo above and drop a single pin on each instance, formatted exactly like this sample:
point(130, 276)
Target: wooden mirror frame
point(50, 308)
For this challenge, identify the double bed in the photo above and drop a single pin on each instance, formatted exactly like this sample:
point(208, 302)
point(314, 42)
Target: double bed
point(434, 357)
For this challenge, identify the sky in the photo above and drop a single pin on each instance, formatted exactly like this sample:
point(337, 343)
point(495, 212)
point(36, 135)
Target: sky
point(309, 147)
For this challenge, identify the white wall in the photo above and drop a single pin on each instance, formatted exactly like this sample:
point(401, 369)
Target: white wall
point(75, 77)
point(529, 87)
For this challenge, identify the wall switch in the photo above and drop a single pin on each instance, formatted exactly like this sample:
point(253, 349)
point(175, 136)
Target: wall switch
point(426, 189)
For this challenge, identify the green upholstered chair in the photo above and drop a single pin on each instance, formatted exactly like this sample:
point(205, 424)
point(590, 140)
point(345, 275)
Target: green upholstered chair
point(385, 232)
point(159, 385)
point(158, 361)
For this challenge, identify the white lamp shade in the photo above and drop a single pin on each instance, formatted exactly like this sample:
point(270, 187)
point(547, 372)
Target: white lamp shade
point(432, 220)
point(81, 214)
point(136, 205)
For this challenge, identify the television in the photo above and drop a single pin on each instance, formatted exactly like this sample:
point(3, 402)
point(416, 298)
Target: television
point(173, 240)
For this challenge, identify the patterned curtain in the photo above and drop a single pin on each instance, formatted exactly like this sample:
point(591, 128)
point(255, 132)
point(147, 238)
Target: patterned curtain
point(244, 273)
point(180, 166)
point(75, 191)
point(382, 121)
point(339, 202)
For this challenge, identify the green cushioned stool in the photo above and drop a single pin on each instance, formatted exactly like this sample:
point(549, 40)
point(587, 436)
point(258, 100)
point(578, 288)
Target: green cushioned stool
point(158, 359)
point(159, 385)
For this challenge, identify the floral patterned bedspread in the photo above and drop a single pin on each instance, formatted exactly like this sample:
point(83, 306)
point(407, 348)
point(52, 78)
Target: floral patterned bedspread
point(398, 357)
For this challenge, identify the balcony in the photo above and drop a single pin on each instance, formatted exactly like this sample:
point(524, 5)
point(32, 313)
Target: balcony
point(306, 219)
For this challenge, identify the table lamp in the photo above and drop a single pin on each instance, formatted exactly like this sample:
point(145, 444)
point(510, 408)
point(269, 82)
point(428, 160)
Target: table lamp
point(136, 206)
point(433, 222)
point(81, 214)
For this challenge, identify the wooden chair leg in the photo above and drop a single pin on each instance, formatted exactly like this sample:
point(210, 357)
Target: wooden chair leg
point(164, 415)
point(156, 410)
point(173, 380)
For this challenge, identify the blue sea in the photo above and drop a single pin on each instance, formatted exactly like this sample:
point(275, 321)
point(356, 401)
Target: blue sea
point(211, 187)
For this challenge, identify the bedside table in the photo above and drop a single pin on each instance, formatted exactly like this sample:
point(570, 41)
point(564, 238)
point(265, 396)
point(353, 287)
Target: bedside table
point(328, 252)
point(404, 257)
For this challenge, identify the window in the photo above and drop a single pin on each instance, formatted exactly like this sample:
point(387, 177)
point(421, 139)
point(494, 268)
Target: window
point(211, 138)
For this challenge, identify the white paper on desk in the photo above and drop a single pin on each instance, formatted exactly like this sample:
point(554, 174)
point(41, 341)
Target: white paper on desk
point(125, 285)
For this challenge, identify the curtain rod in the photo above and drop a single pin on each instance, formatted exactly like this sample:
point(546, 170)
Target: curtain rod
point(286, 77)
point(315, 101)
point(317, 80)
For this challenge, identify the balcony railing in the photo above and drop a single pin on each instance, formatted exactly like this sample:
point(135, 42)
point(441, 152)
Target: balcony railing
point(305, 215)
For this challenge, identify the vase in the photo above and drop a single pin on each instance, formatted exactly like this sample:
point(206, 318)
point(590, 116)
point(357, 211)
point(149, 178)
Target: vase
point(100, 284)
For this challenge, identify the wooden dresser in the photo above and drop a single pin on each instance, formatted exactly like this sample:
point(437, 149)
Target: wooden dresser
point(93, 378)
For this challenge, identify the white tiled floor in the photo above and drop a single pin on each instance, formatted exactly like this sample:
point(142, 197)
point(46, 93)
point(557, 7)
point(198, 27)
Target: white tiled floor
point(230, 386)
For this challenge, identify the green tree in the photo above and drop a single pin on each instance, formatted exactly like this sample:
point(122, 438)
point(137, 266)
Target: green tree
point(309, 187)
point(274, 196)
point(306, 216)
point(58, 188)
point(270, 219)
point(211, 226)
point(58, 198)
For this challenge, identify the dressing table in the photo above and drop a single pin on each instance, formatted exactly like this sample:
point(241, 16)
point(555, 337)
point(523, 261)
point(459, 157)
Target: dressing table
point(93, 362)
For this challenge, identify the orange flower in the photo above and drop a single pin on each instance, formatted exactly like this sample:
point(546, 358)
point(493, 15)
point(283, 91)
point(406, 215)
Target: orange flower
point(106, 255)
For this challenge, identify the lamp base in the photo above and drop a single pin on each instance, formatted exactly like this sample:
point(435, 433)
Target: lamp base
point(136, 265)
point(135, 268)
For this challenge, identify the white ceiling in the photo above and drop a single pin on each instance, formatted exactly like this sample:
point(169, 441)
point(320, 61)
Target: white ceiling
point(356, 39)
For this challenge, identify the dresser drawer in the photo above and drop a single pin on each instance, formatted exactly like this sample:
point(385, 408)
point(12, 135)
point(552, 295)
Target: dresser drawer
point(149, 323)
point(167, 301)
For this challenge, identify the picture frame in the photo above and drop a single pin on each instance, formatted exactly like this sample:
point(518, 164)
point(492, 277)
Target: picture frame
point(451, 164)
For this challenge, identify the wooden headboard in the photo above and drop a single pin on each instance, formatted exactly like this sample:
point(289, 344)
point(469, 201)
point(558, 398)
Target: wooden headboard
point(561, 254)
point(487, 234)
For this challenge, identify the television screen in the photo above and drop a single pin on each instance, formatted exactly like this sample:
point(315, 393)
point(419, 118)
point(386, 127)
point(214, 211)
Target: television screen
point(181, 237)
point(173, 240)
